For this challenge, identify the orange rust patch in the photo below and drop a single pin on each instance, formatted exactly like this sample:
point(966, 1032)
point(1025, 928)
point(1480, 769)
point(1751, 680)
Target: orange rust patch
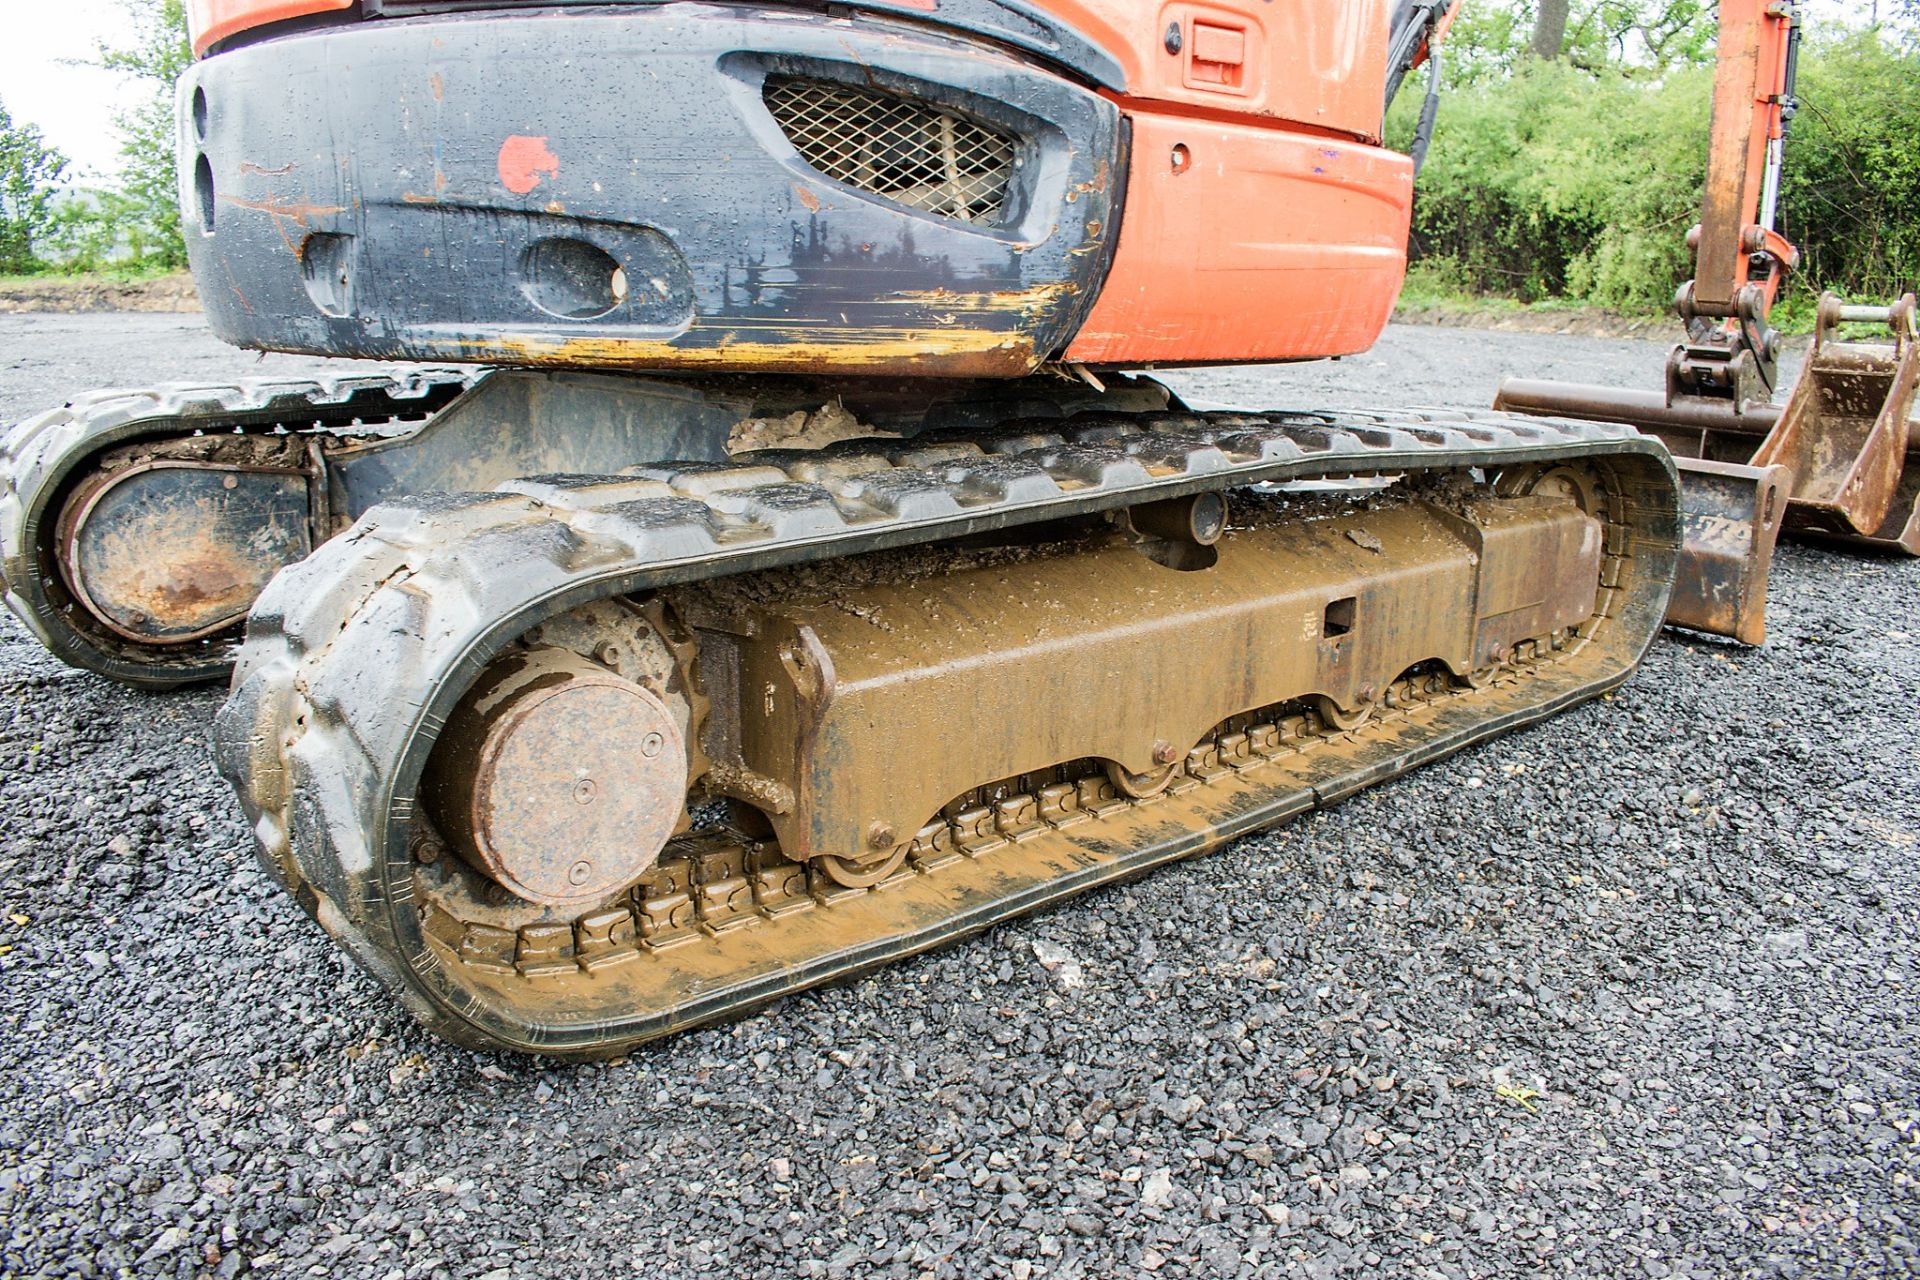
point(523, 160)
point(285, 212)
point(301, 215)
point(179, 574)
point(807, 198)
point(437, 86)
point(1019, 302)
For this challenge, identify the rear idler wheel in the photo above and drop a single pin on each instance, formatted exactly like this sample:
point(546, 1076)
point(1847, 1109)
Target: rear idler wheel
point(138, 527)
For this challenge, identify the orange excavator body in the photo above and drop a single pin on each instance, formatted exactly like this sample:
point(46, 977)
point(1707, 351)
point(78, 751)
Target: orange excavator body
point(1244, 209)
point(1242, 116)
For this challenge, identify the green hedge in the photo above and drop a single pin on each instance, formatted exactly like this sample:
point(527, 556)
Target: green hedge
point(1851, 196)
point(1556, 183)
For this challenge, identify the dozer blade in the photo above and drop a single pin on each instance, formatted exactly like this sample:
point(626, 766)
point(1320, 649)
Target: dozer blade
point(1730, 512)
point(484, 742)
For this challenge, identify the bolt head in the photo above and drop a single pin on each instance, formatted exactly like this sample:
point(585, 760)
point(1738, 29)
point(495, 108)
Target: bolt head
point(580, 872)
point(1164, 752)
point(880, 836)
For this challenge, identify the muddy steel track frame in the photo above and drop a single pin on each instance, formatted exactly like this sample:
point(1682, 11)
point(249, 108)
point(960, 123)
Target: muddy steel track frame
point(357, 656)
point(137, 526)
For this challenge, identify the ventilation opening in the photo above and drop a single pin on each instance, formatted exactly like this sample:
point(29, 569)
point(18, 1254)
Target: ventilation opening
point(911, 152)
point(203, 193)
point(1339, 619)
point(572, 279)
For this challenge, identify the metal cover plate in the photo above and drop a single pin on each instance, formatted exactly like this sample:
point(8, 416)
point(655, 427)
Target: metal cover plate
point(175, 551)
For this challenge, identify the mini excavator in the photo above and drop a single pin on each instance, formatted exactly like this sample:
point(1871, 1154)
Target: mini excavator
point(808, 577)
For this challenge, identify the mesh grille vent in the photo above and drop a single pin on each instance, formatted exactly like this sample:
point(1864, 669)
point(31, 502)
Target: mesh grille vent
point(913, 152)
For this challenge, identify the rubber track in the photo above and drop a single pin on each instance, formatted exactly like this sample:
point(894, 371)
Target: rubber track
point(40, 455)
point(354, 656)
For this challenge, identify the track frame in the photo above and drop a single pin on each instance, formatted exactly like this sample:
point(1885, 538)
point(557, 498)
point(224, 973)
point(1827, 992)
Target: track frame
point(356, 656)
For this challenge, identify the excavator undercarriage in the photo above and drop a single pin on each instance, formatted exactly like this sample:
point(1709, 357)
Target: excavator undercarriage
point(699, 736)
point(687, 739)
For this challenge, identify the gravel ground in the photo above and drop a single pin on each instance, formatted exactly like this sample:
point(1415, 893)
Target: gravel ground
point(1633, 993)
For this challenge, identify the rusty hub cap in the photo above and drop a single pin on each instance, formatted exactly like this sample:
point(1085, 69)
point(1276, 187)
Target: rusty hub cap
point(167, 552)
point(563, 781)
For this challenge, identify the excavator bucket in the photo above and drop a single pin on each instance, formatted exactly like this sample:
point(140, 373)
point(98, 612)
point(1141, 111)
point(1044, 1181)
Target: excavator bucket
point(1729, 521)
point(1844, 430)
point(1832, 463)
point(1899, 533)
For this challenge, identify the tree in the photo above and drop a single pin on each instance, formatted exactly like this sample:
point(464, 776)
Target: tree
point(1549, 29)
point(1850, 192)
point(158, 55)
point(1641, 38)
point(30, 174)
point(1556, 180)
point(1905, 20)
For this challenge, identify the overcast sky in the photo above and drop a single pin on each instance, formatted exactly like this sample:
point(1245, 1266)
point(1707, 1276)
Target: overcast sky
point(74, 106)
